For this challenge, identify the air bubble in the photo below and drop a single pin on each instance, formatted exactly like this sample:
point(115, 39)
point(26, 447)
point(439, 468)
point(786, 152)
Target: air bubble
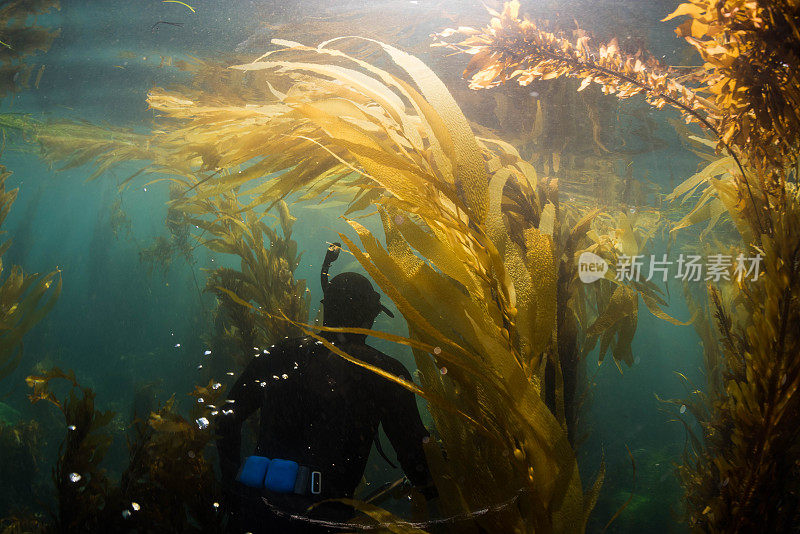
point(683, 408)
point(74, 477)
point(202, 423)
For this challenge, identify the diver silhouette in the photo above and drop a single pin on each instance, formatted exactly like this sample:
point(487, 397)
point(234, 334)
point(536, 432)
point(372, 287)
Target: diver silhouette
point(319, 415)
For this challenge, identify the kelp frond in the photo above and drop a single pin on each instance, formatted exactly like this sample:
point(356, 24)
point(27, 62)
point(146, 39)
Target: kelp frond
point(24, 298)
point(517, 48)
point(81, 484)
point(751, 71)
point(266, 274)
point(745, 478)
point(168, 485)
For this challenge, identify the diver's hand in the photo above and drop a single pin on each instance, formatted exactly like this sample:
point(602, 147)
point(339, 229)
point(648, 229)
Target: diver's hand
point(333, 252)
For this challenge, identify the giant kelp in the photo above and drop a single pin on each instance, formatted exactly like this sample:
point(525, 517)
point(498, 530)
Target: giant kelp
point(475, 245)
point(81, 484)
point(24, 298)
point(167, 486)
point(266, 274)
point(744, 476)
point(479, 251)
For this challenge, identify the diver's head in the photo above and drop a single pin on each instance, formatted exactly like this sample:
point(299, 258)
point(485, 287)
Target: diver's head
point(351, 302)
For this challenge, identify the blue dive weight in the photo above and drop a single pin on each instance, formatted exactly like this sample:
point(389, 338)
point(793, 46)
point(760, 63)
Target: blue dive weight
point(275, 475)
point(281, 476)
point(254, 471)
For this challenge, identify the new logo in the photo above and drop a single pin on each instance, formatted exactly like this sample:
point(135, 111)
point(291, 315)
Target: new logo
point(591, 267)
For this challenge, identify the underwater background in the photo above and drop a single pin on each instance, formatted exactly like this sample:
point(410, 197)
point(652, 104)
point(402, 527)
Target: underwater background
point(135, 327)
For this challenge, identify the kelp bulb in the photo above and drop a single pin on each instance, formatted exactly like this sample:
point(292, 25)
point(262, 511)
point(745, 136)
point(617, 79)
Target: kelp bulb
point(518, 454)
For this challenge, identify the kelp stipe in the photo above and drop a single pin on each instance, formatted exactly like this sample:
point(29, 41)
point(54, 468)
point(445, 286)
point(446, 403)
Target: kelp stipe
point(745, 476)
point(164, 249)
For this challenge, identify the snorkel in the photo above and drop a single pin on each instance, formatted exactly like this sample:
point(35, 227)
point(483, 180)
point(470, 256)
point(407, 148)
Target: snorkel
point(330, 257)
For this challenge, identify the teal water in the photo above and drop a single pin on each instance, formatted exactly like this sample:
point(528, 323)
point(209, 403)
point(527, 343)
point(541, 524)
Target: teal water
point(121, 327)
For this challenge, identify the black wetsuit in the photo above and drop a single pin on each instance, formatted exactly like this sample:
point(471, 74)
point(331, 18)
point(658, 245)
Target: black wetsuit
point(323, 412)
